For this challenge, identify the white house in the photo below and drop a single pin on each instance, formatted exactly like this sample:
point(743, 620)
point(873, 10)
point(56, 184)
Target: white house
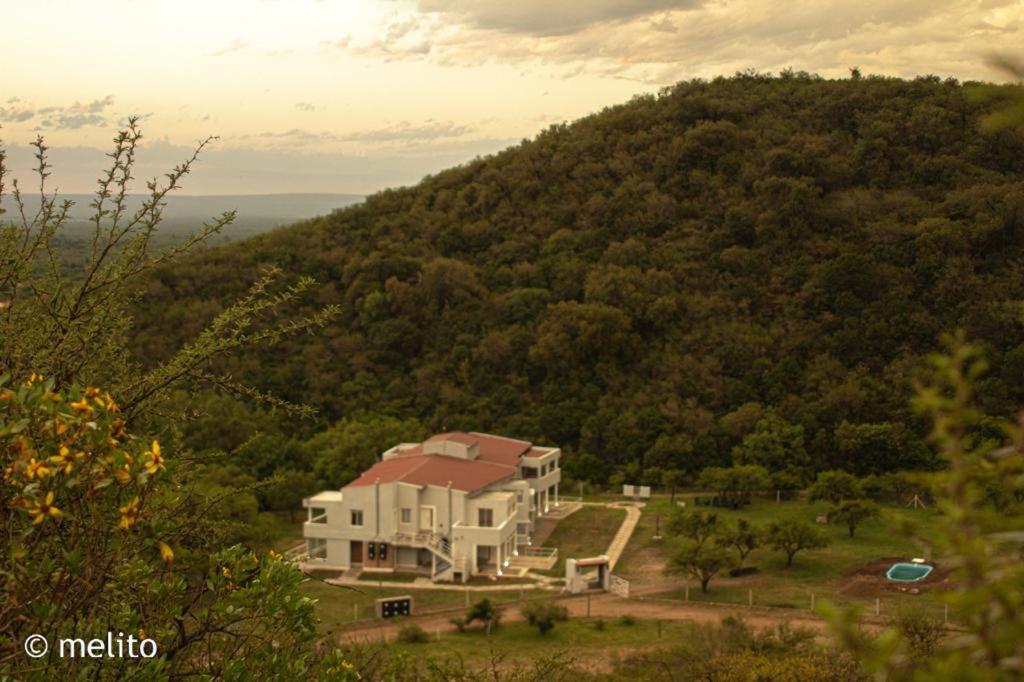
point(455, 505)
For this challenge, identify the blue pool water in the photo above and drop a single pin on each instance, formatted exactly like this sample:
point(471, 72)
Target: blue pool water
point(908, 573)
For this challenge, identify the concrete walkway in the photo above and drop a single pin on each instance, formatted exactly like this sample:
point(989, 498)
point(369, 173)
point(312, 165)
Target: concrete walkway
point(625, 532)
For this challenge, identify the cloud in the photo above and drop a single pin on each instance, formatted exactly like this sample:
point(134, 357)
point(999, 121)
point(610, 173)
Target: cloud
point(15, 113)
point(659, 42)
point(70, 117)
point(305, 106)
point(236, 46)
point(405, 131)
point(548, 17)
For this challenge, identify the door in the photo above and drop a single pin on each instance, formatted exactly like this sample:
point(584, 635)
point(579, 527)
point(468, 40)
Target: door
point(426, 518)
point(357, 552)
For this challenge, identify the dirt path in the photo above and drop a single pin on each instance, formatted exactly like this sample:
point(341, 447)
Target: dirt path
point(606, 606)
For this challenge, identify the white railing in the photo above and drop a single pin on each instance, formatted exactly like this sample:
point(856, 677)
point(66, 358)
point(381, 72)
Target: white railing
point(543, 552)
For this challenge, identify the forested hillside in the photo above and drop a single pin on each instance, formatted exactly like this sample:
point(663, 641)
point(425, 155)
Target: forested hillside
point(750, 269)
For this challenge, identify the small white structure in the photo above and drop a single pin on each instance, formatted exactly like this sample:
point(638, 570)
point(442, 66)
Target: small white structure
point(587, 574)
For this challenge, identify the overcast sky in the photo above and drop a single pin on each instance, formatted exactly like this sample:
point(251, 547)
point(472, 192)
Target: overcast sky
point(358, 95)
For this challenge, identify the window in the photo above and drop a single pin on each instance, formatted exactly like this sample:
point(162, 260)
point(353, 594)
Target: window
point(406, 515)
point(485, 518)
point(529, 472)
point(357, 517)
point(519, 496)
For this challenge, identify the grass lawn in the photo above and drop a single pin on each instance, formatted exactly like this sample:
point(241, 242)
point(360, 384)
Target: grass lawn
point(338, 605)
point(585, 533)
point(819, 571)
point(389, 577)
point(578, 638)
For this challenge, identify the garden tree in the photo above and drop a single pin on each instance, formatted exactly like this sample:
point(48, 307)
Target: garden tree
point(485, 611)
point(543, 615)
point(672, 479)
point(735, 485)
point(774, 444)
point(895, 487)
point(852, 513)
point(102, 530)
point(743, 537)
point(698, 526)
point(700, 562)
point(525, 292)
point(988, 602)
point(835, 486)
point(791, 536)
point(353, 444)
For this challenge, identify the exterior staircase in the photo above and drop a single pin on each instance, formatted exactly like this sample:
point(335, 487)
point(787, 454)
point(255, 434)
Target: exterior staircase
point(439, 545)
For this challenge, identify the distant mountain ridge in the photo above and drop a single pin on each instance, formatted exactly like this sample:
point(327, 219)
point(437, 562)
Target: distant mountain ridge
point(288, 206)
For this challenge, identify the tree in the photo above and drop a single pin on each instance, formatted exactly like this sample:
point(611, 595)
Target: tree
point(853, 513)
point(792, 536)
point(774, 444)
point(286, 491)
point(743, 537)
point(735, 485)
point(700, 562)
point(485, 611)
point(835, 486)
point(672, 479)
point(697, 526)
point(544, 615)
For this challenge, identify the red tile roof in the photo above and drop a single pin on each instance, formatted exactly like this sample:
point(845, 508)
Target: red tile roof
point(439, 470)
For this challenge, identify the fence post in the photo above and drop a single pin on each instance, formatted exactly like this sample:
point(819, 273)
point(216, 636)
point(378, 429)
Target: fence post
point(750, 597)
point(878, 605)
point(588, 606)
point(687, 591)
point(945, 615)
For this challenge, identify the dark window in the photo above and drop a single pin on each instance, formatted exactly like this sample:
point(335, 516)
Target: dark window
point(383, 551)
point(371, 549)
point(357, 517)
point(485, 517)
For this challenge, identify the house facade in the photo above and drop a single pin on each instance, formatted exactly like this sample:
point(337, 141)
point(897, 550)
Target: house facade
point(454, 506)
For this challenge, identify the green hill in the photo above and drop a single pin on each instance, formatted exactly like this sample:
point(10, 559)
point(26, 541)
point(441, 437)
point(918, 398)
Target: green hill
point(754, 261)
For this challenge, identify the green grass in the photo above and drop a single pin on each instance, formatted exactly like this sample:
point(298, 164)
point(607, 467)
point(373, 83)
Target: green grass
point(578, 638)
point(389, 577)
point(584, 533)
point(814, 571)
point(337, 605)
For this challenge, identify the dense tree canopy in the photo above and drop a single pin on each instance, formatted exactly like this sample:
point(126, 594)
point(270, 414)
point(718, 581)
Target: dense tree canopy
point(751, 267)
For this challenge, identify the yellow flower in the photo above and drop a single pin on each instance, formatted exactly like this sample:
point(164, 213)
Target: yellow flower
point(156, 460)
point(92, 392)
point(37, 469)
point(166, 552)
point(82, 407)
point(226, 572)
point(59, 427)
point(40, 510)
point(129, 514)
point(67, 459)
point(275, 555)
point(123, 475)
point(7, 394)
point(111, 405)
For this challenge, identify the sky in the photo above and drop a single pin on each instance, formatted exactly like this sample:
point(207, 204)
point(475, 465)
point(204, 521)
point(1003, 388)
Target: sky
point(355, 96)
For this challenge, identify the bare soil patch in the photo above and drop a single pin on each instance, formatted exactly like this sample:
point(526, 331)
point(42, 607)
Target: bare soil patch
point(869, 580)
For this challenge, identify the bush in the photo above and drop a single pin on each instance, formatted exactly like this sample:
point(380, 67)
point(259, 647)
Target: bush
point(544, 615)
point(599, 624)
point(627, 620)
point(459, 622)
point(411, 633)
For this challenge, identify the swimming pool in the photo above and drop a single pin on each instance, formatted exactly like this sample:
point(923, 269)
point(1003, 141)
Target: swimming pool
point(908, 573)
